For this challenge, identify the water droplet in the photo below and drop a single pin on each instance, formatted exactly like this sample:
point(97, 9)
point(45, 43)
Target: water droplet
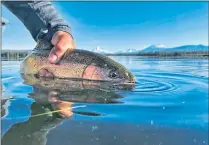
point(147, 136)
point(163, 108)
point(94, 128)
point(194, 140)
point(204, 142)
point(183, 102)
point(152, 122)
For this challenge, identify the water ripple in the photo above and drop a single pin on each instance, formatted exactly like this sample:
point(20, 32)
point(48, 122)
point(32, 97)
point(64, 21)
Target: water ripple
point(176, 98)
point(153, 86)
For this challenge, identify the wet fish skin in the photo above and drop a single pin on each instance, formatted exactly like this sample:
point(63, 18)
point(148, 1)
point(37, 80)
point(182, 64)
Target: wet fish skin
point(73, 84)
point(79, 64)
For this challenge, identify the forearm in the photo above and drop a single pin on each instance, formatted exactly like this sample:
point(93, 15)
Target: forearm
point(38, 16)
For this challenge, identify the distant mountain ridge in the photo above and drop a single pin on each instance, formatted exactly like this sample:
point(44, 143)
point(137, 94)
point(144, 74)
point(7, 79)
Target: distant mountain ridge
point(183, 48)
point(156, 48)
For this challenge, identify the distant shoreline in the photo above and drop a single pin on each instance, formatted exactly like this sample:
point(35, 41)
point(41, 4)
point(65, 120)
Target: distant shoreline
point(177, 55)
point(165, 57)
point(145, 57)
point(20, 55)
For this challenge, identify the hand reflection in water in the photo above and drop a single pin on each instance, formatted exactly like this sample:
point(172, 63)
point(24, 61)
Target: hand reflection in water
point(64, 107)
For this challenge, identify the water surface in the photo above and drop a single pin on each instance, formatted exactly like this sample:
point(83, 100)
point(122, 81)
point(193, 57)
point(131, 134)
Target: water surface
point(168, 106)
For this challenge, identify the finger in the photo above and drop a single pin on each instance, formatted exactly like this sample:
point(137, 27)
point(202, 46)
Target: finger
point(53, 96)
point(58, 51)
point(61, 47)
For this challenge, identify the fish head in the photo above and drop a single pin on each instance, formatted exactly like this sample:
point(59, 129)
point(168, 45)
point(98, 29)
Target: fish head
point(104, 68)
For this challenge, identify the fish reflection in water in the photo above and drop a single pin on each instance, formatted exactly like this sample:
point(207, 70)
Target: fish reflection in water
point(55, 100)
point(167, 107)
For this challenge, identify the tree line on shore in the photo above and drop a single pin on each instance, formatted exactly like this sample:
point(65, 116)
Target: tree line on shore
point(9, 55)
point(180, 54)
point(14, 55)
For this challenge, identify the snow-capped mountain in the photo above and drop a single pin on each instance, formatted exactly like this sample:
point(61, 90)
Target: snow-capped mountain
point(160, 48)
point(131, 50)
point(100, 50)
point(128, 51)
point(154, 48)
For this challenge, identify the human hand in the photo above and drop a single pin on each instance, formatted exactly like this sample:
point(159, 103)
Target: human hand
point(62, 41)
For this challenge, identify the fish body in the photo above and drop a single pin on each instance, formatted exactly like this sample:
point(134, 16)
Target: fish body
point(78, 64)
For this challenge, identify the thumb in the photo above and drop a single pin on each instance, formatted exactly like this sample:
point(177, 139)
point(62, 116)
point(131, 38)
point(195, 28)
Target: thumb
point(57, 52)
point(52, 56)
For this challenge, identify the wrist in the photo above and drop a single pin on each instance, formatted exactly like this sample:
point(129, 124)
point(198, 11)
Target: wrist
point(60, 33)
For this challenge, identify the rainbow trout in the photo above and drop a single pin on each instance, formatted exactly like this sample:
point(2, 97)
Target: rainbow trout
point(77, 64)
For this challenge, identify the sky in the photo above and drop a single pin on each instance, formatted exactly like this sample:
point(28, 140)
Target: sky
point(116, 26)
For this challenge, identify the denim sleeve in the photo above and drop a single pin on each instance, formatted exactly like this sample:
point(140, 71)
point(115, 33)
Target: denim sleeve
point(39, 17)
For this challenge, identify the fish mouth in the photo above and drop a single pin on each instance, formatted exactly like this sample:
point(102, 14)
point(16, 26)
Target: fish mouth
point(131, 83)
point(124, 84)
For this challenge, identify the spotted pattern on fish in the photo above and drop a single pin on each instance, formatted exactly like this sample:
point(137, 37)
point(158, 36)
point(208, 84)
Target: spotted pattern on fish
point(74, 63)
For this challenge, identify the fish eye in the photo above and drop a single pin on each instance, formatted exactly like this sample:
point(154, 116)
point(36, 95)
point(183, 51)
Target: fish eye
point(114, 74)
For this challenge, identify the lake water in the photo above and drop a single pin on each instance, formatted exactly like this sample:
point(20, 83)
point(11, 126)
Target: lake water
point(168, 106)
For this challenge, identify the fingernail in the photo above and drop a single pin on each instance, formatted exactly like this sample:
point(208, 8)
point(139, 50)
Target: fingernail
point(53, 58)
